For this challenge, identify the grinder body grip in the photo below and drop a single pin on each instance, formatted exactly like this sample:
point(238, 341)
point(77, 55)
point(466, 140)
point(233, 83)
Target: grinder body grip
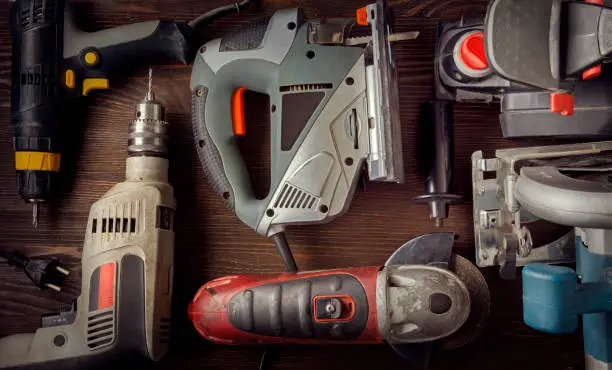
point(273, 57)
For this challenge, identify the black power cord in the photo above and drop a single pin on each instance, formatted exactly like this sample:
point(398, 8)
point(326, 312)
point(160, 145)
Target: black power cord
point(217, 13)
point(45, 273)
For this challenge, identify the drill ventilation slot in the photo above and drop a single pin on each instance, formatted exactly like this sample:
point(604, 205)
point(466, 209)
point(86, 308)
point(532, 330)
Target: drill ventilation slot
point(100, 329)
point(164, 330)
point(118, 219)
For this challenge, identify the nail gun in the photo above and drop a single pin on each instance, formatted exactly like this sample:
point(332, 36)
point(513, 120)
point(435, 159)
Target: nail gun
point(54, 62)
point(422, 294)
point(126, 288)
point(333, 103)
point(507, 232)
point(555, 296)
point(545, 65)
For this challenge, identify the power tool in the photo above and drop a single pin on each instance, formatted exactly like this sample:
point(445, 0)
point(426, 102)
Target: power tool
point(555, 296)
point(546, 65)
point(507, 233)
point(333, 103)
point(127, 267)
point(423, 293)
point(54, 62)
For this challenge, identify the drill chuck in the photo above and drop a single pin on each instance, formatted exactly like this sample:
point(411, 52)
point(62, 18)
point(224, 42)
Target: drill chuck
point(148, 133)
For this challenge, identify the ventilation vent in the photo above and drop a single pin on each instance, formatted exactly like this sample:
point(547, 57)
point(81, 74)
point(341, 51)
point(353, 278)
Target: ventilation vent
point(25, 17)
point(305, 87)
point(114, 225)
point(119, 220)
point(38, 13)
point(292, 197)
point(100, 329)
point(164, 330)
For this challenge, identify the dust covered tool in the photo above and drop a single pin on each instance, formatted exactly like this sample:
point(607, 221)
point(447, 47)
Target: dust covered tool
point(334, 107)
point(554, 297)
point(124, 309)
point(423, 294)
point(545, 61)
point(507, 232)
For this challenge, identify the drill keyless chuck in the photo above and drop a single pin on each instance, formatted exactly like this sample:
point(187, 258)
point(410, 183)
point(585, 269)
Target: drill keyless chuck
point(148, 133)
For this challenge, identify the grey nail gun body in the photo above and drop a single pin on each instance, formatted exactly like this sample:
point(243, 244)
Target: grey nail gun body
point(506, 214)
point(333, 108)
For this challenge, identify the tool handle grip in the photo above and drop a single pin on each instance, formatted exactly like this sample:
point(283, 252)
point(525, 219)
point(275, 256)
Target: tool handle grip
point(36, 60)
point(126, 46)
point(440, 117)
point(548, 297)
point(243, 60)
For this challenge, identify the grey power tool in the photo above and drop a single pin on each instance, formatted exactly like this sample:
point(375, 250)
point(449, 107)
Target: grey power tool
point(554, 297)
point(334, 107)
point(506, 230)
point(127, 264)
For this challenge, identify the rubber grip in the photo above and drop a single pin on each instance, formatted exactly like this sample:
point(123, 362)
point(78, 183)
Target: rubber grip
point(247, 37)
point(126, 47)
point(206, 149)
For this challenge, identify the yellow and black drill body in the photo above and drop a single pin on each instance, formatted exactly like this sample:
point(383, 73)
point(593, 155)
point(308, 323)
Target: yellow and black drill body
point(54, 62)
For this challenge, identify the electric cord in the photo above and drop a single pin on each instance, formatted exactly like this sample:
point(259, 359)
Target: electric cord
point(45, 272)
point(216, 13)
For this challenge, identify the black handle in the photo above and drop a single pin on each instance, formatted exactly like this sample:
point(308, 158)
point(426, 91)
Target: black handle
point(36, 30)
point(124, 48)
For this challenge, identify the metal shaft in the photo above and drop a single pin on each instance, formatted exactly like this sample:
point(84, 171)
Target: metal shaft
point(35, 215)
point(148, 133)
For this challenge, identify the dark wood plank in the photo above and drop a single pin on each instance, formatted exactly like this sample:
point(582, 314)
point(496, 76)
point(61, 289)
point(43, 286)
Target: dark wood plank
point(211, 242)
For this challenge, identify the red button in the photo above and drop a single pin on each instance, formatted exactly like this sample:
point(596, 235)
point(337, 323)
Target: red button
point(598, 2)
point(591, 72)
point(472, 51)
point(562, 103)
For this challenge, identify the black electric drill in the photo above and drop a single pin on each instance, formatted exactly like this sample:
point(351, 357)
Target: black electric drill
point(53, 62)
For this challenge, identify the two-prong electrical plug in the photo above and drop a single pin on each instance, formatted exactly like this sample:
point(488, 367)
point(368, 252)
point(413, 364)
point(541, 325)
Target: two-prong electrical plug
point(45, 273)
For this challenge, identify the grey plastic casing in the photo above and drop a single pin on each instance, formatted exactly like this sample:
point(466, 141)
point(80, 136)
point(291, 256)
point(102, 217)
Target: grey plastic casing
point(555, 197)
point(313, 180)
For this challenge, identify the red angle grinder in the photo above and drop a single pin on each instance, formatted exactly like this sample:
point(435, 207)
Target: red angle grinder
point(422, 294)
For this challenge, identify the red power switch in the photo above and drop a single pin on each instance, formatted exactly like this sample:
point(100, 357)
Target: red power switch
point(472, 52)
point(562, 103)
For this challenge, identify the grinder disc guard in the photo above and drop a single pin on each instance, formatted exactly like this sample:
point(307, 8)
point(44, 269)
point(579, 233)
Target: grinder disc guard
point(436, 250)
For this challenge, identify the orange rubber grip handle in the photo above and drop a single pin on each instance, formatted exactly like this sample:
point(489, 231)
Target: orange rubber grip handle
point(238, 111)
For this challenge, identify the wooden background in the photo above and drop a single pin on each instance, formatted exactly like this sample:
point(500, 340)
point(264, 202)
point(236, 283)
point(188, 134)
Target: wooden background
point(212, 242)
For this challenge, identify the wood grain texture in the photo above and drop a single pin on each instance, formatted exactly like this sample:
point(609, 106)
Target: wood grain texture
point(212, 242)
